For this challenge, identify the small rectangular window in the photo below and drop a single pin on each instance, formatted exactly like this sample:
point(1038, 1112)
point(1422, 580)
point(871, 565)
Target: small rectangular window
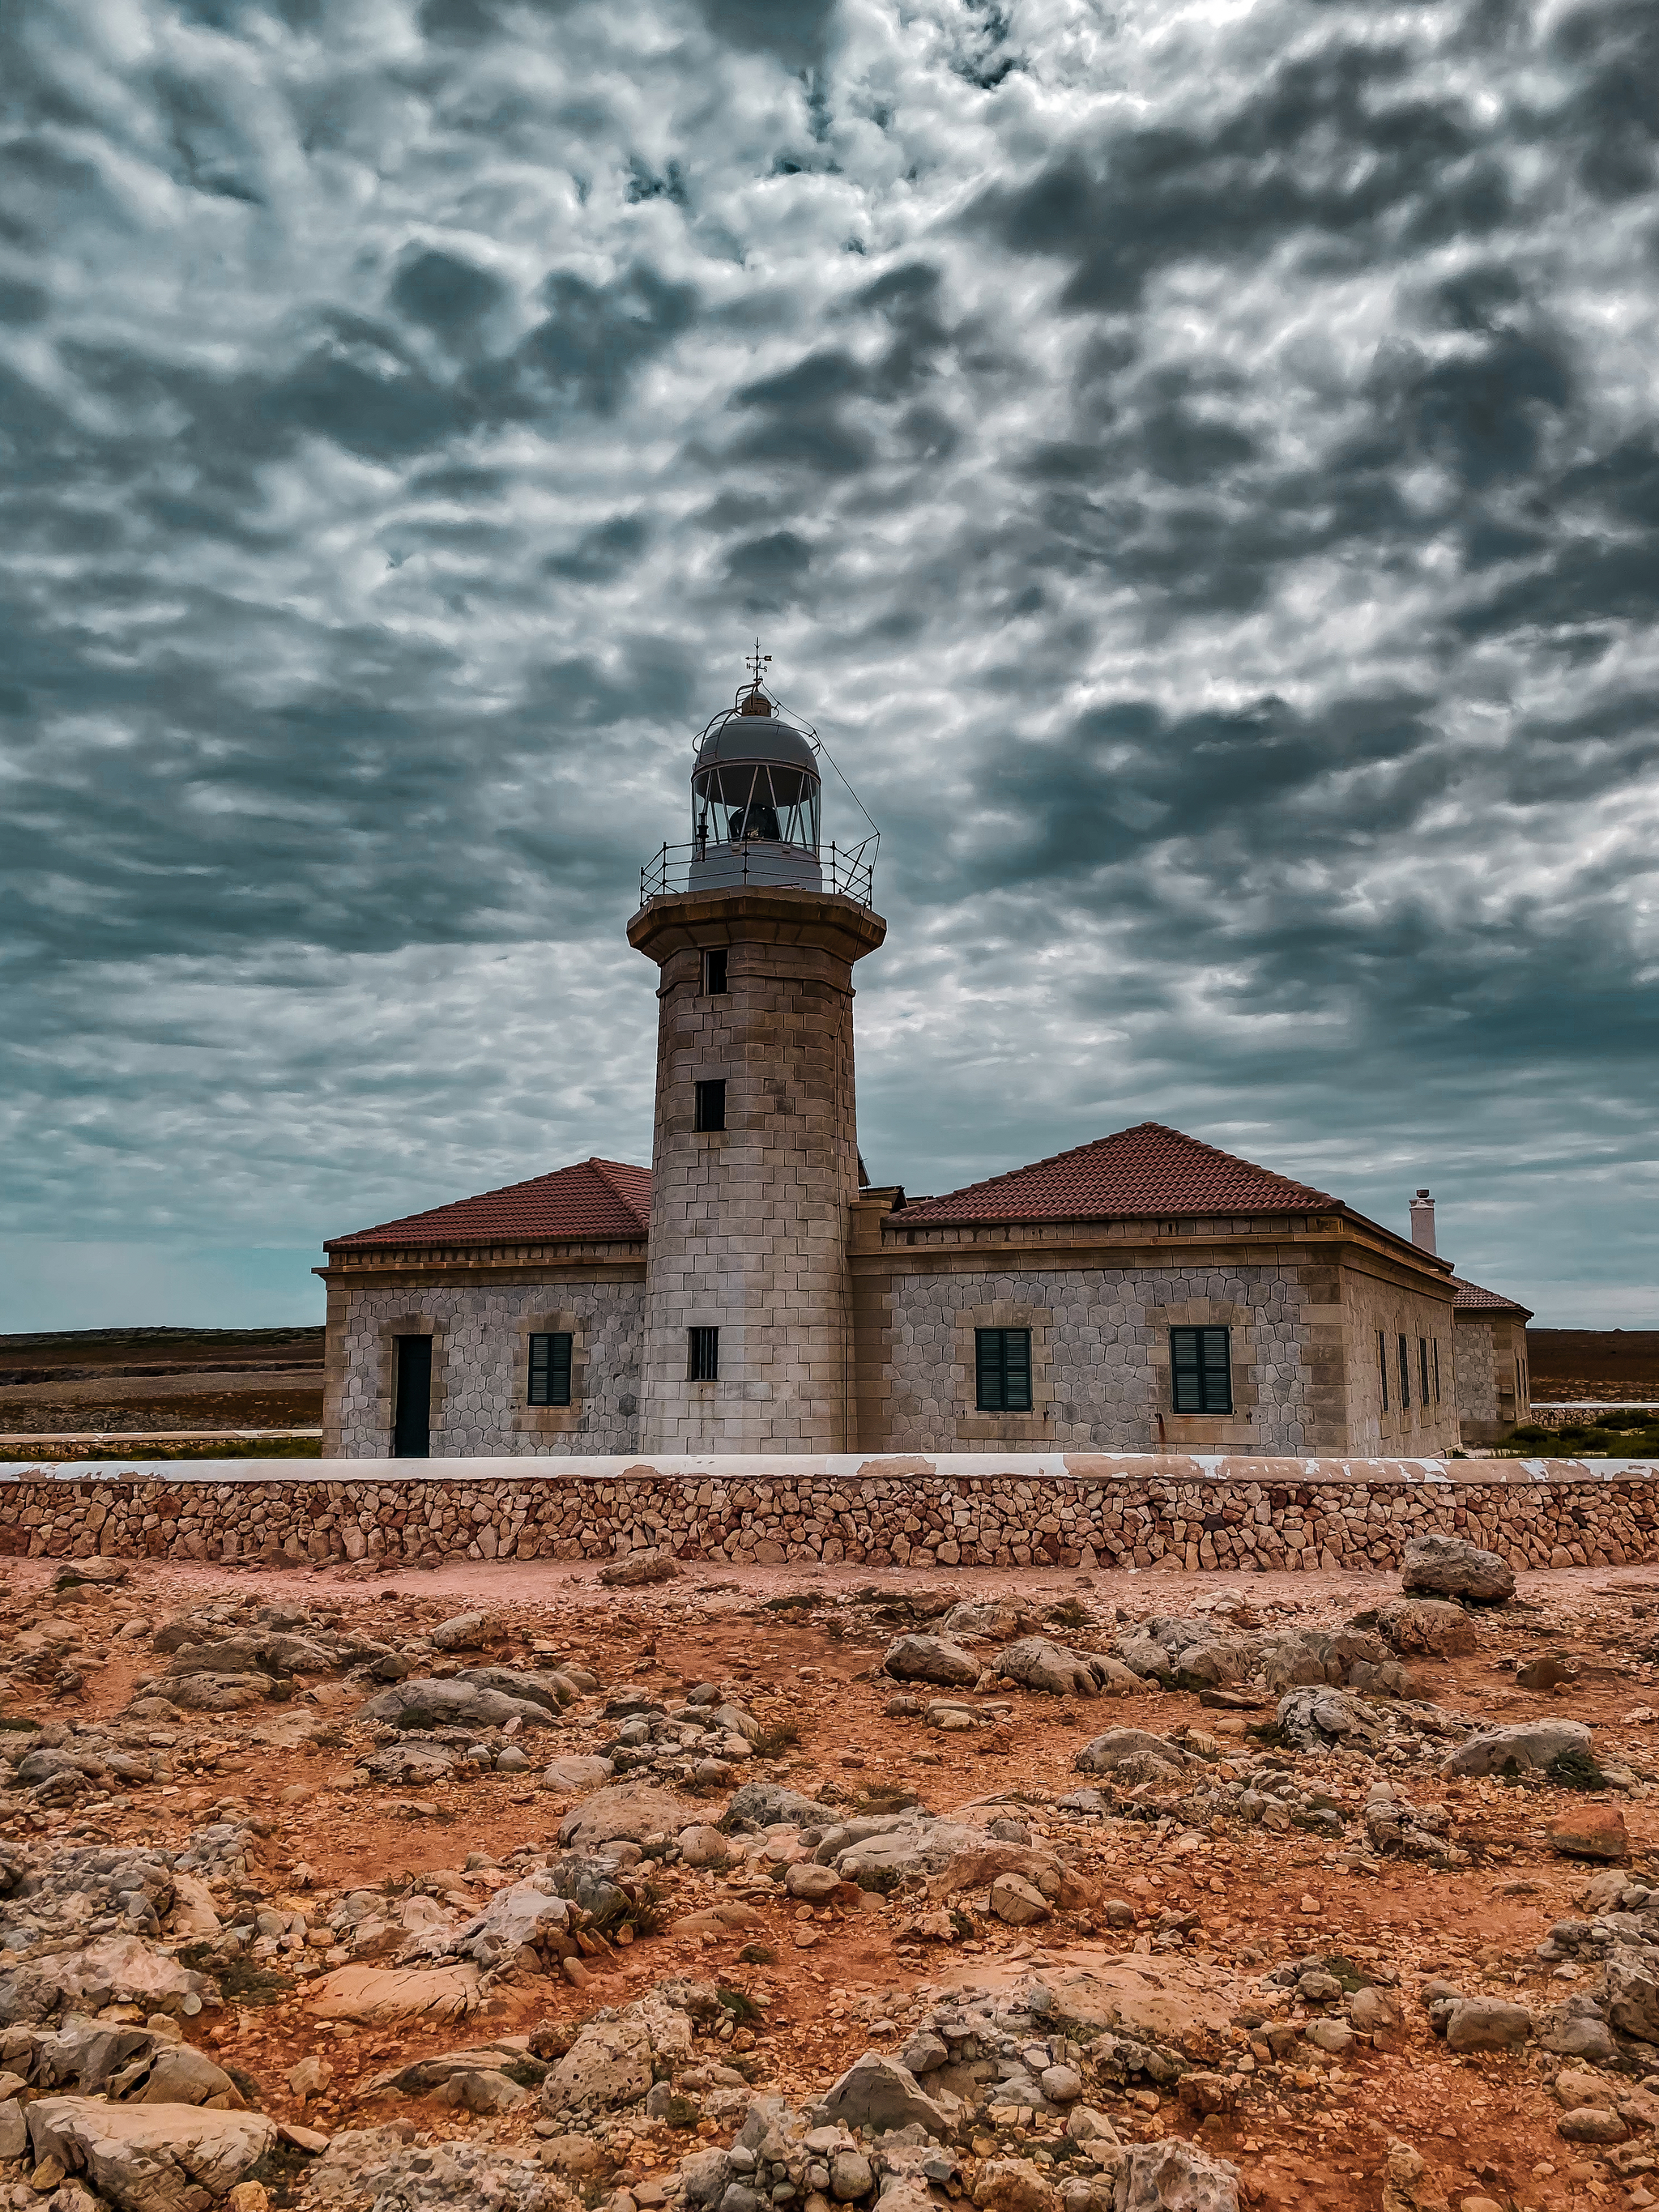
point(1200, 1371)
point(710, 1105)
point(713, 972)
point(1405, 1377)
point(1436, 1370)
point(1422, 1367)
point(1383, 1365)
point(550, 1368)
point(1002, 1359)
point(702, 1355)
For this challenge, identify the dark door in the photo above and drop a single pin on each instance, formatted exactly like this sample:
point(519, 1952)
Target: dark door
point(411, 1418)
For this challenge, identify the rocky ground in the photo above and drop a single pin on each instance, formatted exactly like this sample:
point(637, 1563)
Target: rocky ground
point(147, 1380)
point(1047, 1892)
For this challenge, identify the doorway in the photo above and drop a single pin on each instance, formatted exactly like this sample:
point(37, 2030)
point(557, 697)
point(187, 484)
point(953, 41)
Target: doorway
point(411, 1402)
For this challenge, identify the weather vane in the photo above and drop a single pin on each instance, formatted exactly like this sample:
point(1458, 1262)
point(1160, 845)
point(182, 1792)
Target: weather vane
point(755, 661)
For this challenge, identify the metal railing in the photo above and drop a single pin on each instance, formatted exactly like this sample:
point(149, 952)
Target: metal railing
point(848, 870)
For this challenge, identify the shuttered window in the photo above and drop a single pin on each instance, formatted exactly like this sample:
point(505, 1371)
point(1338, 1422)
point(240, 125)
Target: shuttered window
point(1200, 1371)
point(1003, 1367)
point(550, 1368)
point(1383, 1365)
point(1405, 1376)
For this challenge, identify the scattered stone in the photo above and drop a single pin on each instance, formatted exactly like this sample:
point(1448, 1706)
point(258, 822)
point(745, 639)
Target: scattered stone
point(1447, 1566)
point(1431, 1626)
point(1487, 2024)
point(931, 1659)
point(1173, 2177)
point(148, 2158)
point(1589, 1832)
point(636, 1569)
point(877, 2092)
point(1532, 1746)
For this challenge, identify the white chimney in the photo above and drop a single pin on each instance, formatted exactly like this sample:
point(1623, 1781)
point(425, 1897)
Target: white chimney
point(1423, 1221)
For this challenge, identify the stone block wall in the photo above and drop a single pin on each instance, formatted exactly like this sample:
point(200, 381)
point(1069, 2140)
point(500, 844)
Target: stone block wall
point(749, 1222)
point(962, 1510)
point(1385, 1298)
point(480, 1366)
point(1100, 1358)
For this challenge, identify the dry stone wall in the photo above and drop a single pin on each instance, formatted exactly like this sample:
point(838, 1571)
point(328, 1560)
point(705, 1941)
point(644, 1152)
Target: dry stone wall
point(954, 1510)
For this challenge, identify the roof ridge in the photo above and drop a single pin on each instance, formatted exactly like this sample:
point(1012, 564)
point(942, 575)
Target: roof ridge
point(1159, 1128)
point(605, 1169)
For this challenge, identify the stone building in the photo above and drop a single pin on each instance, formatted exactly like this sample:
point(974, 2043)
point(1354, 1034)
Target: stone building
point(753, 1292)
point(1488, 1337)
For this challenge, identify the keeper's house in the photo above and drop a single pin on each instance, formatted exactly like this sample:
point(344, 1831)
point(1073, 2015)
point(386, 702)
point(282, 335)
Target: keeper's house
point(751, 1291)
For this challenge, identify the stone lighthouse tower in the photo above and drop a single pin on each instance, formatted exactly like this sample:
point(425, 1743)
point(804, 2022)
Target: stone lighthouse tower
point(755, 929)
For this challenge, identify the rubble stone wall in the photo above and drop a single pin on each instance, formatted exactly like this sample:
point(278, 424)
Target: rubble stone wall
point(961, 1510)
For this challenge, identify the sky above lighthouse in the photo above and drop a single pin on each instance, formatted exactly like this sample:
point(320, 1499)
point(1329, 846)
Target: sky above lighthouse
point(1197, 464)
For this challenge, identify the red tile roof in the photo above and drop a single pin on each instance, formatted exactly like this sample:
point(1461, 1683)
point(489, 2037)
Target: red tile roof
point(594, 1199)
point(1145, 1171)
point(1471, 1298)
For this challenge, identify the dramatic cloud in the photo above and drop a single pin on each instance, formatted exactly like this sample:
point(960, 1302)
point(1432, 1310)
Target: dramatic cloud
point(1197, 467)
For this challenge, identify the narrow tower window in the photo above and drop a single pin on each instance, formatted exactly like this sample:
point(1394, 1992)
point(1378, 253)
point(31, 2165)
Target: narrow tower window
point(550, 1368)
point(702, 1355)
point(1405, 1376)
point(709, 1111)
point(1200, 1372)
point(1003, 1362)
point(1383, 1365)
point(713, 972)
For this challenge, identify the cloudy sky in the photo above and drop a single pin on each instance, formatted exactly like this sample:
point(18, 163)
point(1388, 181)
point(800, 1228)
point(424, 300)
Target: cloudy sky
point(1197, 462)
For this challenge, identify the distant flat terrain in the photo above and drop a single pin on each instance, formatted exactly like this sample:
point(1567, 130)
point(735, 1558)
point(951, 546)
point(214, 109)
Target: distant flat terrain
point(152, 1380)
point(1593, 1363)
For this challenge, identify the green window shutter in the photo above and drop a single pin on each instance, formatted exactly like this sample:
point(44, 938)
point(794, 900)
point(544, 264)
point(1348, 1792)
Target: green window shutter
point(1217, 1372)
point(989, 1353)
point(1200, 1371)
point(550, 1368)
point(1017, 1371)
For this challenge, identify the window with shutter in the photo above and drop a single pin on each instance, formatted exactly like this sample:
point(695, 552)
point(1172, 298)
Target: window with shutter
point(1200, 1371)
point(1003, 1370)
point(550, 1368)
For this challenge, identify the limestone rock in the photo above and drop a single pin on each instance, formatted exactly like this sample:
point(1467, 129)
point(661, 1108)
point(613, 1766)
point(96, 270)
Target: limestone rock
point(634, 1568)
point(1487, 2024)
point(380, 1995)
point(769, 1805)
point(577, 1771)
point(1175, 2004)
point(149, 2158)
point(1018, 1902)
point(1001, 1617)
point(219, 1694)
point(1014, 2185)
point(1589, 1832)
point(125, 1970)
point(624, 1811)
point(1315, 1719)
point(1531, 1745)
point(1446, 1566)
point(608, 2064)
point(420, 1702)
point(423, 2076)
point(1173, 2177)
point(931, 1659)
point(1039, 1663)
point(1591, 2124)
point(1428, 1626)
point(1134, 1755)
point(1405, 2183)
point(877, 2092)
point(464, 1631)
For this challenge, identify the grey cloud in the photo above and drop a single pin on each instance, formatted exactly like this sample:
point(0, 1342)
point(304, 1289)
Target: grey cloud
point(1214, 519)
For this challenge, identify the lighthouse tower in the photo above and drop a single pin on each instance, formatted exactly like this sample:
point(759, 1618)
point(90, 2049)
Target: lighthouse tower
point(755, 928)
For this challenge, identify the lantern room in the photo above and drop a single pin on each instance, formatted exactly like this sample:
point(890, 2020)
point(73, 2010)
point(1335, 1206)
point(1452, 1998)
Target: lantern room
point(754, 800)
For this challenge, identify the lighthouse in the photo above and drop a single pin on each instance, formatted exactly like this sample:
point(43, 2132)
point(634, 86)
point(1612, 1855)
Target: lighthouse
point(755, 928)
